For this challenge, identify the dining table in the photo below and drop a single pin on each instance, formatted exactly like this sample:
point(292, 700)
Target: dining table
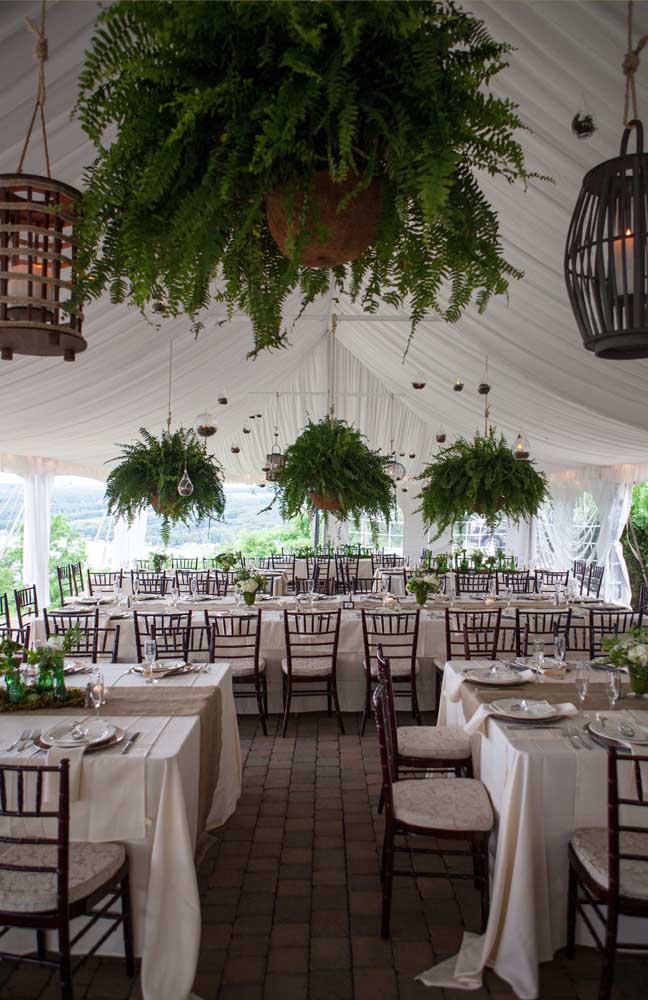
point(545, 780)
point(431, 649)
point(180, 779)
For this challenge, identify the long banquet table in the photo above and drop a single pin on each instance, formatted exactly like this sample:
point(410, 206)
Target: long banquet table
point(153, 800)
point(350, 672)
point(542, 789)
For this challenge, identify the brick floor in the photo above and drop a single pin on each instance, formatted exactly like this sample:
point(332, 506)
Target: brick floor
point(291, 895)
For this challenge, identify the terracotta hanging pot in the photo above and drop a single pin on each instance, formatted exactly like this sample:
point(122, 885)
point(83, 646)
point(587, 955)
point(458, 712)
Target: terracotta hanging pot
point(158, 505)
point(324, 503)
point(346, 235)
point(480, 510)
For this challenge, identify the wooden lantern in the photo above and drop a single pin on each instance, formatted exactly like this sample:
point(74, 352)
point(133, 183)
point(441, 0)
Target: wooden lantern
point(37, 268)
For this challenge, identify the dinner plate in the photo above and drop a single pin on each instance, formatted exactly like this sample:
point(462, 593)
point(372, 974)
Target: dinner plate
point(527, 709)
point(88, 732)
point(95, 599)
point(504, 677)
point(167, 669)
point(74, 667)
point(612, 729)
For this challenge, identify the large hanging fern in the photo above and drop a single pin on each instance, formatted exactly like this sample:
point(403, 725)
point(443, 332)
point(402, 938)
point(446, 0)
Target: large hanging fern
point(151, 468)
point(479, 476)
point(331, 460)
point(212, 105)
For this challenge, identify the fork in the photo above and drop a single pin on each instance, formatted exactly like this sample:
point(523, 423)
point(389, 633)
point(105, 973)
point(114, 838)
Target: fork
point(33, 736)
point(23, 736)
point(24, 743)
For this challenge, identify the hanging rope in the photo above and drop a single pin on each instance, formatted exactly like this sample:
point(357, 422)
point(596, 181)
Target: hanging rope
point(40, 55)
point(630, 67)
point(170, 371)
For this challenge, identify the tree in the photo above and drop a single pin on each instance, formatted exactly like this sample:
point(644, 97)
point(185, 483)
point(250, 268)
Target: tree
point(66, 545)
point(635, 539)
point(259, 544)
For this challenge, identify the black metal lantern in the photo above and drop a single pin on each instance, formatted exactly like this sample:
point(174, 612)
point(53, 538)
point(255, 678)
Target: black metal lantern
point(606, 262)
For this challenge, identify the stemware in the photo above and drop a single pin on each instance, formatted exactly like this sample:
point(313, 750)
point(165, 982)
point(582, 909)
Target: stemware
point(560, 648)
point(538, 653)
point(582, 684)
point(97, 691)
point(150, 654)
point(193, 586)
point(175, 593)
point(613, 688)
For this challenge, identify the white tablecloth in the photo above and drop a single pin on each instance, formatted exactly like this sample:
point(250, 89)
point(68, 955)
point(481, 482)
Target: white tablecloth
point(542, 789)
point(166, 904)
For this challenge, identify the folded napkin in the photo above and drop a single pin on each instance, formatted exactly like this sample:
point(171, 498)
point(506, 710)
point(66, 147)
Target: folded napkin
point(484, 711)
point(454, 682)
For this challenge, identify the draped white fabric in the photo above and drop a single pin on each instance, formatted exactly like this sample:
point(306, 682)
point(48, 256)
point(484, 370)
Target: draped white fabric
point(613, 501)
point(128, 542)
point(38, 491)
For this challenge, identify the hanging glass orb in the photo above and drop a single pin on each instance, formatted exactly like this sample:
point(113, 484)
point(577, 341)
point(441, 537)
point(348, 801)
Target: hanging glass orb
point(418, 382)
point(483, 388)
point(222, 398)
point(185, 486)
point(583, 125)
point(235, 449)
point(458, 385)
point(247, 430)
point(606, 258)
point(205, 425)
point(395, 470)
point(521, 448)
point(412, 454)
point(259, 415)
point(441, 436)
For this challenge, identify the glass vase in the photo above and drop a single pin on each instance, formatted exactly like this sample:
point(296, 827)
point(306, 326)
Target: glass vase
point(15, 686)
point(421, 595)
point(249, 598)
point(45, 680)
point(639, 681)
point(60, 692)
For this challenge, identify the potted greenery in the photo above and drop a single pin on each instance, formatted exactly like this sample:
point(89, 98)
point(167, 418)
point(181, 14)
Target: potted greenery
point(248, 584)
point(478, 559)
point(421, 584)
point(11, 654)
point(148, 472)
point(49, 659)
point(158, 561)
point(479, 476)
point(316, 122)
point(631, 651)
point(330, 468)
point(226, 561)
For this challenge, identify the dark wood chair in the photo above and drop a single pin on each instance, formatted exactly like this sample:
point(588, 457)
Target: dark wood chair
point(237, 639)
point(472, 634)
point(594, 580)
point(178, 563)
point(397, 633)
point(19, 635)
point(94, 640)
point(608, 866)
point(642, 601)
point(579, 569)
point(309, 669)
point(26, 601)
point(5, 617)
point(46, 880)
point(347, 569)
point(546, 579)
point(147, 623)
point(605, 623)
point(325, 575)
point(286, 565)
point(104, 583)
point(533, 626)
point(149, 583)
point(364, 585)
point(508, 640)
point(185, 578)
point(303, 586)
point(219, 582)
point(518, 581)
point(473, 582)
point(70, 580)
point(387, 560)
point(390, 577)
point(455, 809)
point(183, 642)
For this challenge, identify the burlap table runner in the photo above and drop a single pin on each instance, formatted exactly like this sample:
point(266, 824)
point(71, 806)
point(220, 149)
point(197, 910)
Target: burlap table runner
point(473, 695)
point(203, 701)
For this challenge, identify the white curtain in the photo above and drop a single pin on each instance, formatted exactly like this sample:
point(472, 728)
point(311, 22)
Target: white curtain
point(613, 501)
point(521, 541)
point(38, 491)
point(128, 543)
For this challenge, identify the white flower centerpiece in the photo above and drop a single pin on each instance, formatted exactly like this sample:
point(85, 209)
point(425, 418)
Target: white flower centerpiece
point(631, 651)
point(422, 583)
point(248, 584)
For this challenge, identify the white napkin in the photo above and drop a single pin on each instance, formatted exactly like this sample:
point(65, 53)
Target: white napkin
point(54, 757)
point(454, 682)
point(484, 711)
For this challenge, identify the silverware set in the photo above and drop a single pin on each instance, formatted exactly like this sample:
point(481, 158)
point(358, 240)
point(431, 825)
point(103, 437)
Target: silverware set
point(26, 739)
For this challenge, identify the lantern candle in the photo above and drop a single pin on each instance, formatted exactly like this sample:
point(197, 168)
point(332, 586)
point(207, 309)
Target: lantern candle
point(624, 263)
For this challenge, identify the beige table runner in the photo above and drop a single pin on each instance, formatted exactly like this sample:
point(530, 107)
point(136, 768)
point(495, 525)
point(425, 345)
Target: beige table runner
point(472, 696)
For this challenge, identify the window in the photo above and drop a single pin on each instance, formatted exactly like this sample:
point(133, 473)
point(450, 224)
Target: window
point(567, 530)
point(474, 534)
point(389, 538)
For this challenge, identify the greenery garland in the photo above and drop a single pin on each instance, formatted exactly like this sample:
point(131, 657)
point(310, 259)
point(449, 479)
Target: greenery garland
point(36, 701)
point(479, 476)
point(153, 467)
point(330, 459)
point(214, 105)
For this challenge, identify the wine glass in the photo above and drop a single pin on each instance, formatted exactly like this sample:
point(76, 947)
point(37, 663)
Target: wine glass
point(175, 593)
point(193, 586)
point(560, 647)
point(582, 683)
point(97, 691)
point(538, 653)
point(136, 586)
point(508, 592)
point(613, 688)
point(150, 655)
point(311, 592)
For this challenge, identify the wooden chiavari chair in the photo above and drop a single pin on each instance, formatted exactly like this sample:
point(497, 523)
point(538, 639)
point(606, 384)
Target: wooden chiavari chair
point(536, 626)
point(184, 642)
point(608, 866)
point(606, 623)
point(26, 600)
point(146, 624)
point(473, 582)
point(472, 634)
point(310, 666)
point(237, 639)
point(286, 565)
point(325, 576)
point(517, 581)
point(104, 582)
point(397, 634)
point(47, 880)
point(70, 580)
point(93, 640)
point(149, 583)
point(546, 579)
point(595, 580)
point(5, 617)
point(19, 635)
point(182, 563)
point(579, 569)
point(188, 578)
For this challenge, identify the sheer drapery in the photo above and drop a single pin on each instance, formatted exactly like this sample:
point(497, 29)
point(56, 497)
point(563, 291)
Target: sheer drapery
point(613, 501)
point(36, 542)
point(128, 541)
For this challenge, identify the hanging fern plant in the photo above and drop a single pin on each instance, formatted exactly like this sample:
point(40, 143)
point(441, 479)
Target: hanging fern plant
point(330, 468)
point(237, 119)
point(148, 474)
point(482, 477)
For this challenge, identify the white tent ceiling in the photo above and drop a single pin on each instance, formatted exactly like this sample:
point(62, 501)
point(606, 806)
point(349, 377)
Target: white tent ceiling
point(576, 409)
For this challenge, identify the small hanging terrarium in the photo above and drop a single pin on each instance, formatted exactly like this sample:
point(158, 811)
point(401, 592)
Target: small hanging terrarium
point(205, 426)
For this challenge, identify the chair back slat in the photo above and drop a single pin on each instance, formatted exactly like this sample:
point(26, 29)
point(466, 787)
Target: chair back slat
point(100, 581)
point(312, 635)
point(148, 582)
point(473, 582)
point(87, 622)
point(534, 626)
point(479, 628)
point(26, 601)
point(5, 617)
point(517, 581)
point(605, 623)
point(146, 623)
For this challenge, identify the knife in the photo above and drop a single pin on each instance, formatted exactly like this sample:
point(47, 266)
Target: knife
point(129, 742)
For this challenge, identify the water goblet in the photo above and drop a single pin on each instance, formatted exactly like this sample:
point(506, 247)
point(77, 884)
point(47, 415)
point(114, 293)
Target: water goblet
point(150, 654)
point(560, 648)
point(193, 586)
point(613, 688)
point(582, 684)
point(175, 593)
point(538, 653)
point(97, 691)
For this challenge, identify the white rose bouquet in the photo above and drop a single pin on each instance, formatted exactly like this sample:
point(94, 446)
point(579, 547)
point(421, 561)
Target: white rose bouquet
point(248, 584)
point(422, 583)
point(631, 651)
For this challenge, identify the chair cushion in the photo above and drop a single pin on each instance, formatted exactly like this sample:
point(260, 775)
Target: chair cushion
point(91, 865)
point(443, 804)
point(244, 666)
point(399, 665)
point(307, 667)
point(591, 848)
point(429, 742)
